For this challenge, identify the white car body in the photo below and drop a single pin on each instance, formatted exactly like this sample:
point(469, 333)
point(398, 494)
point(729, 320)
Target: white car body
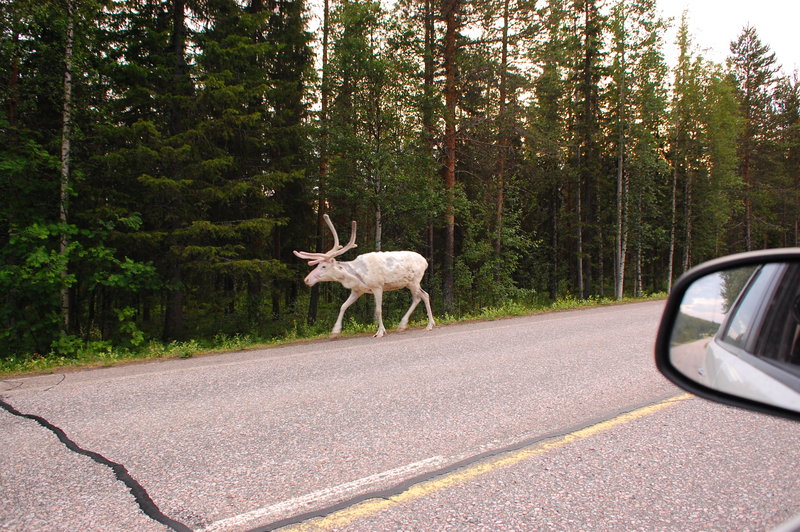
point(731, 373)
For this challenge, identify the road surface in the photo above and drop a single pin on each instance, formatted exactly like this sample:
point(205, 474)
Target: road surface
point(551, 422)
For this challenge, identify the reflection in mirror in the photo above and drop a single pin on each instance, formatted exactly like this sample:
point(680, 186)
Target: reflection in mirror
point(738, 331)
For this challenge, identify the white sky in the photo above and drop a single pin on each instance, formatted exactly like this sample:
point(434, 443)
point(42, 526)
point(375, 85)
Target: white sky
point(713, 24)
point(704, 300)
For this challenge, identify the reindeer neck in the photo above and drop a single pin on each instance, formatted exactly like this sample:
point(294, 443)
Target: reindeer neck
point(352, 273)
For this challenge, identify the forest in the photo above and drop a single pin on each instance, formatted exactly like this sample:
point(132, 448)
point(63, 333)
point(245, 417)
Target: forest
point(162, 159)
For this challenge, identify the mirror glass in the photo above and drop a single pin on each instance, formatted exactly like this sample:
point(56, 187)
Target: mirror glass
point(738, 332)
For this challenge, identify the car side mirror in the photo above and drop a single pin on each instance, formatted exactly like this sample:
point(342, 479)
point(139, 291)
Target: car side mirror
point(731, 332)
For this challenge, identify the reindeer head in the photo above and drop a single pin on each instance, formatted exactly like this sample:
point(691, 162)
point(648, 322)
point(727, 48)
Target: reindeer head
point(325, 262)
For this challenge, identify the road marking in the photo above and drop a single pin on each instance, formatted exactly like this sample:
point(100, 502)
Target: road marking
point(370, 507)
point(305, 502)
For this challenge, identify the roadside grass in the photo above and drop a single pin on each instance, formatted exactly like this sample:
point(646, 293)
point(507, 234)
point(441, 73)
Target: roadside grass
point(102, 354)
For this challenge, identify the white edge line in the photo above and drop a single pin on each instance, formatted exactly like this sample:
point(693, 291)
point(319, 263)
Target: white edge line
point(305, 502)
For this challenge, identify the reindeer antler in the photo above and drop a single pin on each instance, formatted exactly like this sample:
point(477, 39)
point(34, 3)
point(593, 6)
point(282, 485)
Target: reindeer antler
point(335, 251)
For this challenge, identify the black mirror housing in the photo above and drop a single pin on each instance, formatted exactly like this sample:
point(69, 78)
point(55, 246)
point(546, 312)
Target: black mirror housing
point(722, 340)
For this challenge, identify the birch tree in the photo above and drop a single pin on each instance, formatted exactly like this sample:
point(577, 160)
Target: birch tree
point(66, 139)
point(638, 73)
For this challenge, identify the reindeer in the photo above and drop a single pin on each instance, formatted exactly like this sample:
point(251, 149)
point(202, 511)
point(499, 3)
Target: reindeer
point(371, 273)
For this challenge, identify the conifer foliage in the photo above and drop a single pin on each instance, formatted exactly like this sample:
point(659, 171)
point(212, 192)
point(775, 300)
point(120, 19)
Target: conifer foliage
point(159, 160)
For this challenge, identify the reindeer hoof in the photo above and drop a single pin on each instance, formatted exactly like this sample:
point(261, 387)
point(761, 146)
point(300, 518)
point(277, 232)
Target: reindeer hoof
point(333, 335)
point(378, 334)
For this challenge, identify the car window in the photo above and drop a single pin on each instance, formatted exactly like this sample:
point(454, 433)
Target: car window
point(744, 322)
point(780, 333)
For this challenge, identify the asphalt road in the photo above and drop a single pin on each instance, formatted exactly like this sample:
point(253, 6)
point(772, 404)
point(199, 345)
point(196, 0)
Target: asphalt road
point(552, 422)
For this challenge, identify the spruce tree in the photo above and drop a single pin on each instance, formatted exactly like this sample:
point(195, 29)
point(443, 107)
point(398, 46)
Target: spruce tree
point(754, 68)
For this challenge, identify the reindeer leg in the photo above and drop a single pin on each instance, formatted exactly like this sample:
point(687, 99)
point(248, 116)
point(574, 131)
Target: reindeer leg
point(378, 293)
point(416, 297)
point(337, 328)
point(427, 299)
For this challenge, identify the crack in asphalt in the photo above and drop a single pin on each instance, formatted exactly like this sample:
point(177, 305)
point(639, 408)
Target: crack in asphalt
point(63, 378)
point(12, 385)
point(16, 385)
point(140, 495)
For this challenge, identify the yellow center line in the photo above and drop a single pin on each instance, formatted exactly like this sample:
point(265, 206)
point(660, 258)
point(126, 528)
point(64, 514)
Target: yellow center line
point(367, 508)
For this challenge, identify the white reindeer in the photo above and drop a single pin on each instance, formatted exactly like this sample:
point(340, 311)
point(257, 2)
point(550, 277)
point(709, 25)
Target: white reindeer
point(370, 273)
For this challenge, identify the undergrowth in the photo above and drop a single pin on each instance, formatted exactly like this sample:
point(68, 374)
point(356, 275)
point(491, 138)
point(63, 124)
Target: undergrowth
point(102, 354)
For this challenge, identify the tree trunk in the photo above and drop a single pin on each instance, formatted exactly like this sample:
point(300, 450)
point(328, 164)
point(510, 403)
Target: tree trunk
point(13, 80)
point(687, 210)
point(254, 290)
point(674, 220)
point(619, 275)
point(173, 314)
point(555, 205)
point(579, 236)
point(601, 251)
point(428, 120)
point(622, 240)
point(324, 163)
point(65, 157)
point(586, 137)
point(450, 11)
point(378, 227)
point(277, 284)
point(502, 142)
point(638, 286)
point(748, 204)
point(179, 41)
